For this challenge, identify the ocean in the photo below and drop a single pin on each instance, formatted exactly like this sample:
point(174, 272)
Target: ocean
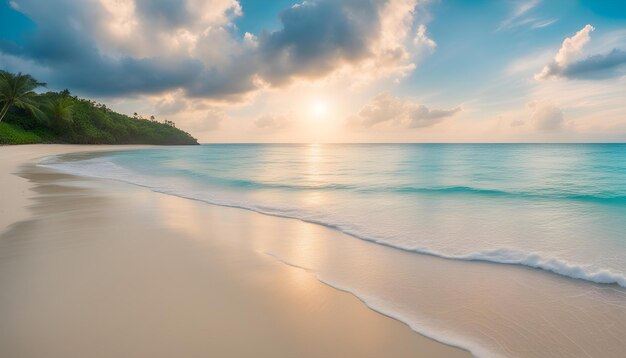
point(559, 209)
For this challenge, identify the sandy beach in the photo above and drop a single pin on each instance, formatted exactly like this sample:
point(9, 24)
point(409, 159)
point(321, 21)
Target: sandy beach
point(94, 268)
point(312, 178)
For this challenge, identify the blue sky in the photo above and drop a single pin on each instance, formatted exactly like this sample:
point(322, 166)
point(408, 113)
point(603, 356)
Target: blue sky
point(13, 24)
point(261, 15)
point(337, 70)
point(471, 46)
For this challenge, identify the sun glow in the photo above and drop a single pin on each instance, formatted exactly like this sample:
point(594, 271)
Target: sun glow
point(321, 117)
point(320, 108)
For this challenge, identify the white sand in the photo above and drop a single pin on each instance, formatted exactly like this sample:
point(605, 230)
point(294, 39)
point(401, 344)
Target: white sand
point(15, 190)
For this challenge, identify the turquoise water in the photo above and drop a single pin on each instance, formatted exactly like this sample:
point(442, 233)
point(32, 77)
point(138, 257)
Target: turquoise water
point(559, 208)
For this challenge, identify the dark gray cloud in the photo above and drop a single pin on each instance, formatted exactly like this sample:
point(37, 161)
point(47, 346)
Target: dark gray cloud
point(71, 50)
point(227, 82)
point(593, 67)
point(172, 13)
point(597, 66)
point(316, 35)
point(65, 46)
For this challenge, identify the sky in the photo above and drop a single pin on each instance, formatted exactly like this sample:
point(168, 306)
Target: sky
point(320, 71)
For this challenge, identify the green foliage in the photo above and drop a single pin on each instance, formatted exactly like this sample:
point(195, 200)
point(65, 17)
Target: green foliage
point(59, 113)
point(12, 134)
point(17, 91)
point(58, 117)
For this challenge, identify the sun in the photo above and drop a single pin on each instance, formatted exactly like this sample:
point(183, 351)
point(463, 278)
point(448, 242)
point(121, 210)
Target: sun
point(319, 108)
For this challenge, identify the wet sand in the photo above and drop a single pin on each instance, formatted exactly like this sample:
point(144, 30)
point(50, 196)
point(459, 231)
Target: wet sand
point(93, 268)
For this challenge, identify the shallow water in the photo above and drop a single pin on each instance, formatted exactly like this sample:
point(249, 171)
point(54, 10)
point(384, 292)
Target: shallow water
point(560, 208)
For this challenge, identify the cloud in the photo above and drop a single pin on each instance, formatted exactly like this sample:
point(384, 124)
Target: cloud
point(171, 104)
point(597, 66)
point(546, 117)
point(273, 121)
point(211, 121)
point(567, 62)
point(316, 36)
point(520, 17)
point(572, 46)
point(65, 46)
point(171, 13)
point(394, 111)
point(121, 47)
point(421, 39)
point(520, 10)
point(517, 123)
point(421, 116)
point(542, 24)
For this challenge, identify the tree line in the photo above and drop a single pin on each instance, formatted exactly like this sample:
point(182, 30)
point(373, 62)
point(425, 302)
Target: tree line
point(58, 117)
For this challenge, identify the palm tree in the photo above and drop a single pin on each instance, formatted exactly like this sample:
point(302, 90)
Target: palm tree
point(59, 112)
point(17, 90)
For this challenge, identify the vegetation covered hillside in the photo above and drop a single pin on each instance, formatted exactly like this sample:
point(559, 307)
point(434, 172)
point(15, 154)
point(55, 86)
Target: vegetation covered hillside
point(58, 117)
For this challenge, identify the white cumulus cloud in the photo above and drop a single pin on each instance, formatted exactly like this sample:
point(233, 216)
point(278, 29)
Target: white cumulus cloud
point(569, 61)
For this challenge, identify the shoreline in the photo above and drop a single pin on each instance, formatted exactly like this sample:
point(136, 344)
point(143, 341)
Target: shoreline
point(58, 192)
point(16, 189)
point(489, 309)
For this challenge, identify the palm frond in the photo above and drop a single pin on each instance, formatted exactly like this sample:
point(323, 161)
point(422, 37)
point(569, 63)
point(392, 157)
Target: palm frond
point(18, 90)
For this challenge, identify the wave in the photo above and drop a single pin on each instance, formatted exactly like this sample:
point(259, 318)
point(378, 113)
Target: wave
point(105, 169)
point(535, 260)
point(603, 198)
point(606, 198)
